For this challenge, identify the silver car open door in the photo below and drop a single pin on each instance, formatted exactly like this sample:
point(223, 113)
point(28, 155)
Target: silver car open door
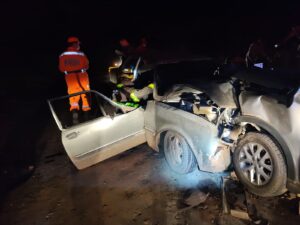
point(114, 131)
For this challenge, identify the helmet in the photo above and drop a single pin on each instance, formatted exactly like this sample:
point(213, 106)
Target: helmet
point(73, 40)
point(124, 43)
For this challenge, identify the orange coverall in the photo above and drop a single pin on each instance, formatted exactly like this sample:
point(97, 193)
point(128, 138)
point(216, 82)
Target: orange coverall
point(74, 64)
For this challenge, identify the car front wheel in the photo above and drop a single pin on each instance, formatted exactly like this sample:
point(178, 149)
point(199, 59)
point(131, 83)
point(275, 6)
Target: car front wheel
point(260, 165)
point(178, 153)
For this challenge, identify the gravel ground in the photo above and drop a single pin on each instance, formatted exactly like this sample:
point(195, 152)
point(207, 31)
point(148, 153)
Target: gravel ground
point(136, 187)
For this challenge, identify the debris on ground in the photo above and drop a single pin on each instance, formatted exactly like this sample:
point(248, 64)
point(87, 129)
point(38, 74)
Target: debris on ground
point(56, 194)
point(238, 202)
point(229, 220)
point(196, 198)
point(225, 205)
point(239, 214)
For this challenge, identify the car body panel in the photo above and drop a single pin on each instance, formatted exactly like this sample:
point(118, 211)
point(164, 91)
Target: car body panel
point(200, 74)
point(150, 124)
point(221, 94)
point(95, 141)
point(281, 122)
point(201, 135)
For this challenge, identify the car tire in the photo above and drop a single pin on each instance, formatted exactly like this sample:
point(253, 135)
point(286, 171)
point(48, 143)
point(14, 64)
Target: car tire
point(178, 153)
point(260, 165)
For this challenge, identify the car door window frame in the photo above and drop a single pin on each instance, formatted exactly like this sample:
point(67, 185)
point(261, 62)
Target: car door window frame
point(58, 122)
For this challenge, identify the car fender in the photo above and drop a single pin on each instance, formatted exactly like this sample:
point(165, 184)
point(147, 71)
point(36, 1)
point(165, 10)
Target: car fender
point(170, 127)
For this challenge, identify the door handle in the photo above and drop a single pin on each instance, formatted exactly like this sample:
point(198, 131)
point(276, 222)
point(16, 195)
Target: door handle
point(72, 135)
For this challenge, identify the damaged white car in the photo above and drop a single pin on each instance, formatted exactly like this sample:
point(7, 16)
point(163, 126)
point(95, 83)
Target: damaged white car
point(201, 116)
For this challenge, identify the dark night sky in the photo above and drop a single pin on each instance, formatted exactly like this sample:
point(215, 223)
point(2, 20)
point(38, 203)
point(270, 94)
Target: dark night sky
point(102, 21)
point(33, 33)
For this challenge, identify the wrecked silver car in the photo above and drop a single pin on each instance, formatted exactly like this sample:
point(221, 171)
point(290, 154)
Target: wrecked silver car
point(201, 116)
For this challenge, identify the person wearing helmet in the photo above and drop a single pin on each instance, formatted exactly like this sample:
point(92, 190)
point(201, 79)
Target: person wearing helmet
point(133, 86)
point(142, 47)
point(289, 49)
point(257, 56)
point(126, 48)
point(74, 64)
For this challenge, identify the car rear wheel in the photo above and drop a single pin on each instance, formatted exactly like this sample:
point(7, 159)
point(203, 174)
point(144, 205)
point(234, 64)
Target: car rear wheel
point(178, 153)
point(260, 165)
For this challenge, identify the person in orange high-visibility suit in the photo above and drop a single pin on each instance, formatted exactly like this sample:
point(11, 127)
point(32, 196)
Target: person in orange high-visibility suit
point(74, 64)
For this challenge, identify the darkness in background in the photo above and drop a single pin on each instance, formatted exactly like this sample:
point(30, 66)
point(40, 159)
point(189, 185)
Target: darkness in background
point(33, 34)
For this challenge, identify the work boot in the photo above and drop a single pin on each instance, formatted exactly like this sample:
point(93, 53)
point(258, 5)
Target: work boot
point(75, 116)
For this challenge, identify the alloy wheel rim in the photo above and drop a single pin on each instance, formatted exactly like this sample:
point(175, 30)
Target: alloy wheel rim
point(256, 163)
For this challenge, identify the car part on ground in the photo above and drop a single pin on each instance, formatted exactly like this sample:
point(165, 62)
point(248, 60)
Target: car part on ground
point(237, 202)
point(260, 164)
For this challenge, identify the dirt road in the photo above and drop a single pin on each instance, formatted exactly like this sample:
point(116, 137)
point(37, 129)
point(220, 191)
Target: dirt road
point(135, 187)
